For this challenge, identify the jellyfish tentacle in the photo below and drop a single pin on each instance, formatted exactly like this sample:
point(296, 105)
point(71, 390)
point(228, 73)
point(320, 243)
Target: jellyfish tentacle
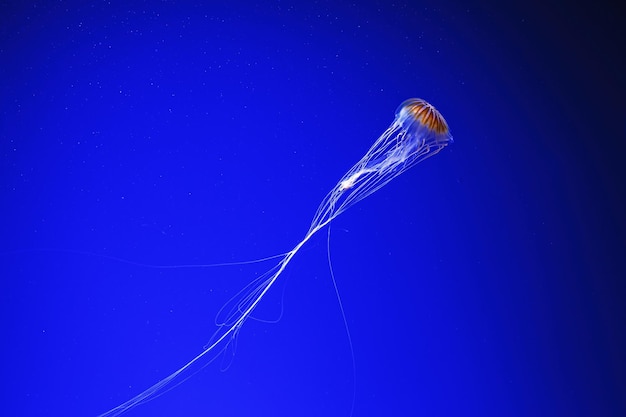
point(418, 132)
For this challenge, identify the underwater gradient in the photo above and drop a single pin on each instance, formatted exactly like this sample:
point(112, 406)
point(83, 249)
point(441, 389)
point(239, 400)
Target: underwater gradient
point(142, 140)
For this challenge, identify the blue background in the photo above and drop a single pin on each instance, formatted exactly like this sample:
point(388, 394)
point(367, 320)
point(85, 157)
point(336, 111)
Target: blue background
point(486, 281)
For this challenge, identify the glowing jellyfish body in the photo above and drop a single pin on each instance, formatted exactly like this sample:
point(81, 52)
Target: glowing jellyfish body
point(417, 132)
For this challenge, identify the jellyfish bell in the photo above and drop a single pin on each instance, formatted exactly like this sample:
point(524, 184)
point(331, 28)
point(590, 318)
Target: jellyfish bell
point(418, 114)
point(417, 132)
point(422, 132)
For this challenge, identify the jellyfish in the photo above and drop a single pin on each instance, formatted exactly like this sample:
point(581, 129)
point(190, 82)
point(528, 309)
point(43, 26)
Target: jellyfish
point(417, 132)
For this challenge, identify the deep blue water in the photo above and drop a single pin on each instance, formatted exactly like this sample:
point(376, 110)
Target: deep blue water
point(486, 281)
